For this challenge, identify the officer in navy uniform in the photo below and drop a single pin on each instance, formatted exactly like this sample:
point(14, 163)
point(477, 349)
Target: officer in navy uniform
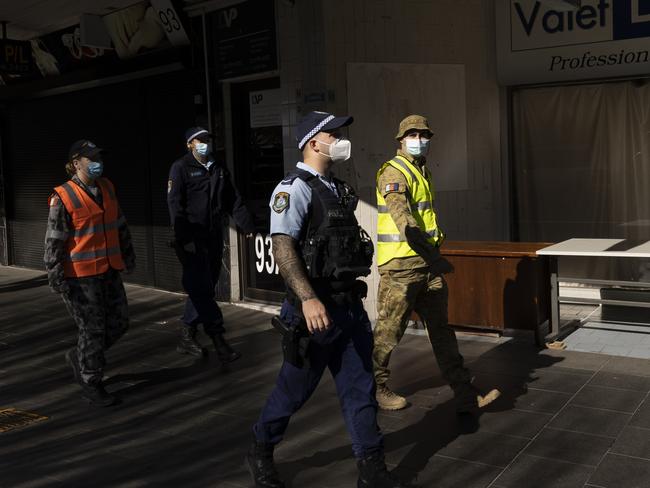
point(321, 252)
point(200, 194)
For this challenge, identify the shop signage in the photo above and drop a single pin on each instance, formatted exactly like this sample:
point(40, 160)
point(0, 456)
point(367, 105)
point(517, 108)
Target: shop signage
point(15, 57)
point(546, 41)
point(245, 39)
point(169, 19)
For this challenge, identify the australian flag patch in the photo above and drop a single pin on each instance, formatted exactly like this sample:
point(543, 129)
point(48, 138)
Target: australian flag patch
point(391, 187)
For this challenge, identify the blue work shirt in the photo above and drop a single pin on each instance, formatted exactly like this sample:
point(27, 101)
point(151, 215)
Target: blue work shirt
point(290, 202)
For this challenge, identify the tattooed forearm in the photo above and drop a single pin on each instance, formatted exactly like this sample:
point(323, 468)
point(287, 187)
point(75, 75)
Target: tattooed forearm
point(292, 267)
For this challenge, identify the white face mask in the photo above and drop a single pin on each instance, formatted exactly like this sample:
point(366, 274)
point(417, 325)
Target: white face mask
point(417, 147)
point(340, 150)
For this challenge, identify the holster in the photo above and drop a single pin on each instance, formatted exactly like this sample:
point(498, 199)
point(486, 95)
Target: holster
point(295, 342)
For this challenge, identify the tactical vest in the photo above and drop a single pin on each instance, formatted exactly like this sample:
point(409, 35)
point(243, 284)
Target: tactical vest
point(94, 245)
point(335, 248)
point(390, 243)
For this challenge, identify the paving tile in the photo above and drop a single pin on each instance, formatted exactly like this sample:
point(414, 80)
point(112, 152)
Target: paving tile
point(642, 416)
point(591, 421)
point(443, 472)
point(557, 381)
point(541, 401)
point(537, 472)
point(638, 367)
point(633, 441)
point(188, 423)
point(484, 447)
point(621, 380)
point(514, 422)
point(568, 446)
point(618, 471)
point(609, 398)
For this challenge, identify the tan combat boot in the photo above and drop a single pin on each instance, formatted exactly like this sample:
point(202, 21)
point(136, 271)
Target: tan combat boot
point(469, 399)
point(389, 400)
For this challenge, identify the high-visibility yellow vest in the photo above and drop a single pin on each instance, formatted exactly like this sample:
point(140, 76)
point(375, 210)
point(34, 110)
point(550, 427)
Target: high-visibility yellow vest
point(390, 244)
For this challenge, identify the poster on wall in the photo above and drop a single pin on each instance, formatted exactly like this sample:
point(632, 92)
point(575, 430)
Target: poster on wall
point(245, 39)
point(265, 108)
point(542, 41)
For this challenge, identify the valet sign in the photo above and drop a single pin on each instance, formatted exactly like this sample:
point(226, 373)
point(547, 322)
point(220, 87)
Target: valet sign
point(555, 40)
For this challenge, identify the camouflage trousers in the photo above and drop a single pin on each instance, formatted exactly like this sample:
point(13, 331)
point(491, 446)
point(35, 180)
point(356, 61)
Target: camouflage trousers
point(99, 308)
point(400, 293)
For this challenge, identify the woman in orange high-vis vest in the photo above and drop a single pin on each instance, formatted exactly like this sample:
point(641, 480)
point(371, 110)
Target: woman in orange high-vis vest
point(87, 246)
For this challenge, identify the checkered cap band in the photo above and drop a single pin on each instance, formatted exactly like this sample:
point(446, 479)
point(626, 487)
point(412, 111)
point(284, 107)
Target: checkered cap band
point(314, 131)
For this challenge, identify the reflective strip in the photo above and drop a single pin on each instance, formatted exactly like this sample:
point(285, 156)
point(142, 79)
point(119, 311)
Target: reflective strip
point(72, 195)
point(100, 253)
point(398, 238)
point(390, 238)
point(56, 234)
point(406, 168)
point(420, 206)
point(98, 228)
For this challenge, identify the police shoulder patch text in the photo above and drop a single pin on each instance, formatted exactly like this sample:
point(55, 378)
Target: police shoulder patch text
point(280, 202)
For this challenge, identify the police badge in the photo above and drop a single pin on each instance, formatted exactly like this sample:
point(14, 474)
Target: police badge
point(281, 202)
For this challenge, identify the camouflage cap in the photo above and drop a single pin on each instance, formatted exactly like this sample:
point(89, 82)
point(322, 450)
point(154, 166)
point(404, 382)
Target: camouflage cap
point(412, 122)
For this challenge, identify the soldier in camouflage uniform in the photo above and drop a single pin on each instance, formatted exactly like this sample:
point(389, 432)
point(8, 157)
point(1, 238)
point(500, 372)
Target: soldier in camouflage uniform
point(411, 269)
point(84, 262)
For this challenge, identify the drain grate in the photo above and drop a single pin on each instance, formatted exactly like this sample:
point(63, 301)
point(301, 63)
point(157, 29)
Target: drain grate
point(10, 419)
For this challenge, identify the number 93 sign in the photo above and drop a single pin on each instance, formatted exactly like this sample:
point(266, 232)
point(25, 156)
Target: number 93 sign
point(265, 263)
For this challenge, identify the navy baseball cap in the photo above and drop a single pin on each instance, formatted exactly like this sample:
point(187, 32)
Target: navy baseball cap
point(196, 133)
point(84, 147)
point(315, 122)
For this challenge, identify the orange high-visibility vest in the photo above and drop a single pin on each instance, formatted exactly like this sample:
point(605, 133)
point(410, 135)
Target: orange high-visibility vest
point(93, 246)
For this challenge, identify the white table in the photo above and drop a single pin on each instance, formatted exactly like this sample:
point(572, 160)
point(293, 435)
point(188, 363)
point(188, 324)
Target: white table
point(604, 248)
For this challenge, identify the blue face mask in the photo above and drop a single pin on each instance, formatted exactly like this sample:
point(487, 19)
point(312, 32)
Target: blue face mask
point(95, 169)
point(202, 148)
point(417, 147)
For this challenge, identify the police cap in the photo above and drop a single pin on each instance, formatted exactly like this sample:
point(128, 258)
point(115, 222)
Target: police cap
point(197, 133)
point(315, 122)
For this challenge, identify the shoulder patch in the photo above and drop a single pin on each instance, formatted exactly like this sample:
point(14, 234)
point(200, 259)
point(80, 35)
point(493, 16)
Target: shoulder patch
point(391, 188)
point(169, 185)
point(280, 202)
point(54, 199)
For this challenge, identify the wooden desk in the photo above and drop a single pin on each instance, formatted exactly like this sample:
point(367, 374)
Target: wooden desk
point(497, 285)
point(606, 248)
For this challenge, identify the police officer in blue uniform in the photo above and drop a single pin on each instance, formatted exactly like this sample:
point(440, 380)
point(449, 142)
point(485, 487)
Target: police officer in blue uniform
point(321, 252)
point(200, 194)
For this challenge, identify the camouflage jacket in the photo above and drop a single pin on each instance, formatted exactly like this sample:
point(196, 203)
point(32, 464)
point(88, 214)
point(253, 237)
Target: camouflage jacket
point(59, 227)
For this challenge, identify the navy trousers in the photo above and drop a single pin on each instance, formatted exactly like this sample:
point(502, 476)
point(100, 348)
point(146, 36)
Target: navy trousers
point(200, 275)
point(346, 350)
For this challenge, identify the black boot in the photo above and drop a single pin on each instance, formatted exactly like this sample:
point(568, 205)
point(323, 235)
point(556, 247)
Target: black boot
point(374, 474)
point(188, 343)
point(97, 395)
point(225, 353)
point(261, 467)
